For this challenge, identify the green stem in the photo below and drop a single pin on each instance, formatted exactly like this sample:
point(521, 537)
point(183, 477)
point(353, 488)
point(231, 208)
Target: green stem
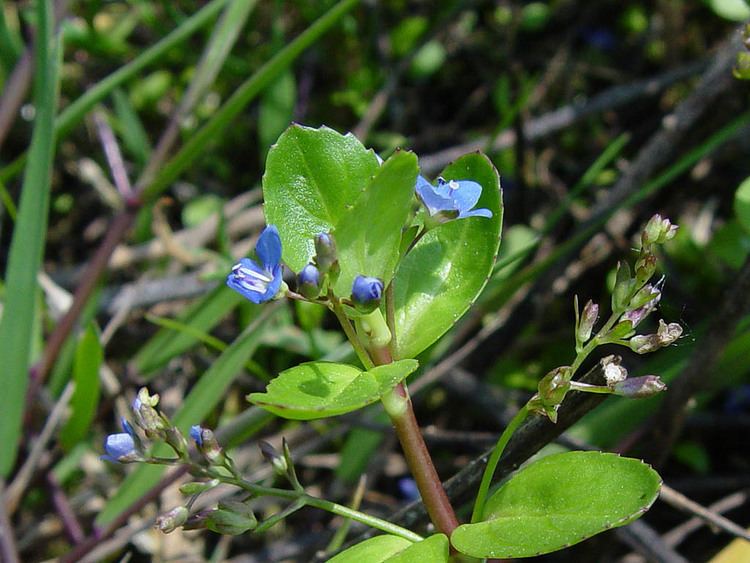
point(328, 506)
point(489, 471)
point(362, 354)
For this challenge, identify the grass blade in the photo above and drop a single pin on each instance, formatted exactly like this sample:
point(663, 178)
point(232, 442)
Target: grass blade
point(243, 96)
point(27, 246)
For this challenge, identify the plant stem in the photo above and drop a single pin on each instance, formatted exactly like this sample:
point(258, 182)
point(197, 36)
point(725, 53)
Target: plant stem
point(489, 471)
point(420, 464)
point(356, 343)
point(323, 504)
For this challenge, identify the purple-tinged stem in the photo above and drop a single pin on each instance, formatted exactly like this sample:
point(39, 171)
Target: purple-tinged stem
point(417, 456)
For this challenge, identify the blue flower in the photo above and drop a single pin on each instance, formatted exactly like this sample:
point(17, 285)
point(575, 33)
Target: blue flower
point(366, 290)
point(196, 433)
point(120, 448)
point(453, 196)
point(259, 283)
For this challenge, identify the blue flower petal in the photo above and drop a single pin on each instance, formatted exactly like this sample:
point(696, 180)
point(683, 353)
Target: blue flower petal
point(196, 433)
point(366, 289)
point(482, 212)
point(268, 247)
point(466, 194)
point(434, 201)
point(118, 446)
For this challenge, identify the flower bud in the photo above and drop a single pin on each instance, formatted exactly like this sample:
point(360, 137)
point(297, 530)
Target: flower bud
point(366, 293)
point(642, 304)
point(658, 230)
point(644, 343)
point(231, 518)
point(207, 445)
point(326, 257)
point(170, 521)
point(589, 315)
point(308, 282)
point(120, 448)
point(197, 487)
point(640, 387)
point(624, 287)
point(277, 461)
point(146, 416)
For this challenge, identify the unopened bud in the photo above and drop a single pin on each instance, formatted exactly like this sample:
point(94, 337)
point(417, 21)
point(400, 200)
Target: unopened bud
point(207, 445)
point(589, 315)
point(644, 343)
point(198, 487)
point(624, 287)
point(170, 521)
point(277, 461)
point(308, 282)
point(366, 293)
point(642, 305)
point(326, 257)
point(640, 387)
point(658, 230)
point(231, 518)
point(146, 416)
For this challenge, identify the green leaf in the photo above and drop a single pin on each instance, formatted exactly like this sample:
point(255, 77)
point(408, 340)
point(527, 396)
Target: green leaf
point(203, 397)
point(368, 236)
point(446, 270)
point(88, 358)
point(558, 501)
point(434, 549)
point(313, 178)
point(321, 389)
point(27, 246)
point(394, 549)
point(742, 204)
point(374, 550)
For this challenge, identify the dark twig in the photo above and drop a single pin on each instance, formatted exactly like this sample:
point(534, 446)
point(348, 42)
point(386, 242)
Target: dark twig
point(678, 534)
point(566, 116)
point(114, 157)
point(681, 502)
point(646, 541)
point(17, 86)
point(668, 421)
point(67, 514)
point(8, 549)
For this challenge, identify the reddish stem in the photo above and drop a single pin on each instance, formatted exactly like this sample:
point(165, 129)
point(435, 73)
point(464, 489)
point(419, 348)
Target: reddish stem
point(418, 458)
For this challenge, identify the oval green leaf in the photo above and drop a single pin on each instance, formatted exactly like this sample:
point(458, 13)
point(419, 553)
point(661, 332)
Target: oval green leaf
point(369, 235)
point(321, 389)
point(393, 549)
point(313, 178)
point(446, 270)
point(558, 501)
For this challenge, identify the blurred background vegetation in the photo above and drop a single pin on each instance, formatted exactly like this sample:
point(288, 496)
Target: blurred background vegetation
point(133, 141)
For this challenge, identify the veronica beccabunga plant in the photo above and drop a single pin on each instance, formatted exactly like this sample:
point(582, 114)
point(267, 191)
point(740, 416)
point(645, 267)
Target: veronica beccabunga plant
point(398, 260)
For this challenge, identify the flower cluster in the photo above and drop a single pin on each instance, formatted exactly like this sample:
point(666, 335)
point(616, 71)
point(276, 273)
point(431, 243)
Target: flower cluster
point(261, 280)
